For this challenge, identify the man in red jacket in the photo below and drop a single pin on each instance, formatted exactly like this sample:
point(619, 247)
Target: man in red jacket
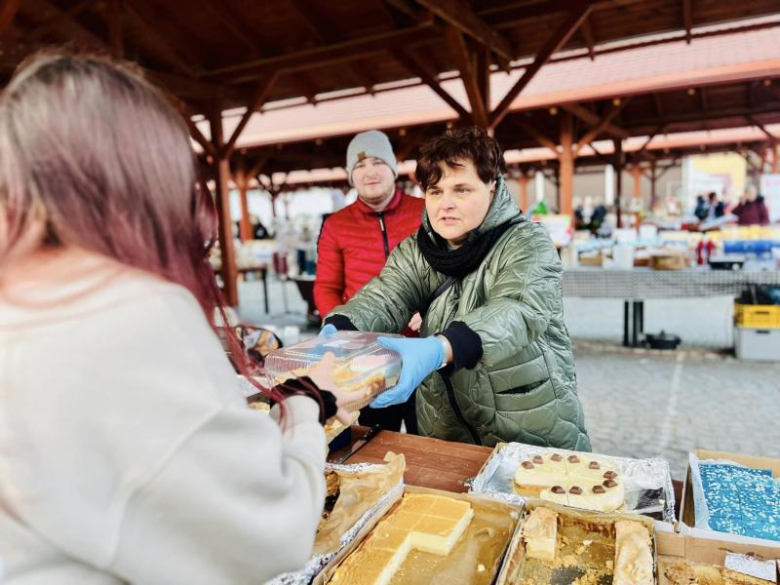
point(356, 241)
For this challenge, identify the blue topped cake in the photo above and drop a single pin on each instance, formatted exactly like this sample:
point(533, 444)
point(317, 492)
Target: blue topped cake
point(741, 500)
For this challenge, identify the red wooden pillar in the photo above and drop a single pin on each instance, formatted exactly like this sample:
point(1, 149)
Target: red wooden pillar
point(222, 196)
point(566, 173)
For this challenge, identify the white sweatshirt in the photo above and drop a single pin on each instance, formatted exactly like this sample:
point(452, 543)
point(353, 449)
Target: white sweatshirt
point(127, 452)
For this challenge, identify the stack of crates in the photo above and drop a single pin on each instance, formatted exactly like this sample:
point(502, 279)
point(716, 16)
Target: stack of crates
point(757, 332)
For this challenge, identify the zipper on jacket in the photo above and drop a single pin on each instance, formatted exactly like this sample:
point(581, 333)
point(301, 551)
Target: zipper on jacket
point(456, 409)
point(384, 234)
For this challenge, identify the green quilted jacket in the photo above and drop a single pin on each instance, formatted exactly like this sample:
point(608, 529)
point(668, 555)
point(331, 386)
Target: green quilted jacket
point(518, 381)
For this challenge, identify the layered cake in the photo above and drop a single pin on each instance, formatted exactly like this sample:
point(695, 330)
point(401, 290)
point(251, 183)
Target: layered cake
point(540, 533)
point(633, 554)
point(581, 481)
point(741, 500)
point(424, 522)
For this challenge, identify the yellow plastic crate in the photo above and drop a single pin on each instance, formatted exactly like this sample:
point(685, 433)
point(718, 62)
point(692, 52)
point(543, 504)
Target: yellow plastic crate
point(760, 316)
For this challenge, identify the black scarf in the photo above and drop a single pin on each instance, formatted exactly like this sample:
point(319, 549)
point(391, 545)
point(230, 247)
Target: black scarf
point(467, 258)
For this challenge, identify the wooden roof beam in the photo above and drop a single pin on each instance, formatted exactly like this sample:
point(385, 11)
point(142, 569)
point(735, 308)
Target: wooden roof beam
point(602, 125)
point(348, 50)
point(701, 117)
point(687, 20)
point(155, 41)
point(468, 74)
point(227, 16)
point(197, 135)
point(403, 12)
point(325, 31)
point(259, 98)
point(587, 34)
point(407, 7)
point(554, 43)
point(68, 15)
point(772, 138)
point(459, 15)
point(8, 10)
point(659, 108)
point(538, 136)
point(589, 117)
point(417, 68)
point(114, 17)
point(647, 142)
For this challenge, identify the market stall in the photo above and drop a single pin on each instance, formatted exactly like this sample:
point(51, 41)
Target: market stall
point(636, 285)
point(409, 509)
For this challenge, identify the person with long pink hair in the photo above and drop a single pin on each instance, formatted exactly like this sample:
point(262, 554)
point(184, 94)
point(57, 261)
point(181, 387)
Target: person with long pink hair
point(127, 450)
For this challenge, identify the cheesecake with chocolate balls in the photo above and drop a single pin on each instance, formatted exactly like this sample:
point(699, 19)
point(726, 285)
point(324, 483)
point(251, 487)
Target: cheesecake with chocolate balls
point(577, 480)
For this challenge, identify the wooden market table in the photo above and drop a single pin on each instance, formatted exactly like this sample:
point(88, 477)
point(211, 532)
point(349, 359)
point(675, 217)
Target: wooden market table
point(432, 463)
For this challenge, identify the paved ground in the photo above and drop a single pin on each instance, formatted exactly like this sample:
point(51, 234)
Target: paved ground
point(638, 404)
point(651, 405)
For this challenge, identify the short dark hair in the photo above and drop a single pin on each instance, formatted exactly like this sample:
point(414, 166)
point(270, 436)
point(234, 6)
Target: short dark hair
point(468, 142)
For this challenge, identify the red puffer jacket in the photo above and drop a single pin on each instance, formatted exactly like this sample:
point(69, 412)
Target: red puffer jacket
point(355, 243)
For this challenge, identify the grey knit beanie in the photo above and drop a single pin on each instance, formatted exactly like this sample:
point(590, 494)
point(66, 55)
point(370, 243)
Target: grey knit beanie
point(370, 144)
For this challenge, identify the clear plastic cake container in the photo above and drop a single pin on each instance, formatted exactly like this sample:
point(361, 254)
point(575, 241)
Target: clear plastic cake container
point(362, 364)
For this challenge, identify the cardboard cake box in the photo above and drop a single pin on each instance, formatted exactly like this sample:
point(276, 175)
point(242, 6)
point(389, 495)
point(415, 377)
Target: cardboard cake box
point(709, 550)
point(687, 506)
point(508, 514)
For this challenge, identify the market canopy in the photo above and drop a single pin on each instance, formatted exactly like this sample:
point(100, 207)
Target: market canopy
point(217, 55)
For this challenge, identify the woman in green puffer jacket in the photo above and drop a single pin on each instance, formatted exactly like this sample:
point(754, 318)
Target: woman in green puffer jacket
point(494, 360)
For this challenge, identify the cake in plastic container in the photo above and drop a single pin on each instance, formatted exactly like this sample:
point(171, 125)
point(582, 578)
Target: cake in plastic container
point(362, 364)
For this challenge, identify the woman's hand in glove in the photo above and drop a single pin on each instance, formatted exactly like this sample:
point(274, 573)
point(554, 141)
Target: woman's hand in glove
point(419, 358)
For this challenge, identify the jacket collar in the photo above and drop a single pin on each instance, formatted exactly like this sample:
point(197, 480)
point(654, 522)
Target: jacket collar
point(394, 203)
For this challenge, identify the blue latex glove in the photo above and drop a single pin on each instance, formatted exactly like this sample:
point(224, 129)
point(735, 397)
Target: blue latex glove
point(327, 331)
point(419, 357)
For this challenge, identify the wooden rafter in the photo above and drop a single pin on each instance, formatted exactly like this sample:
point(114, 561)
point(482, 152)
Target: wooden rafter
point(468, 74)
point(156, 42)
point(587, 35)
point(589, 117)
point(687, 20)
point(326, 31)
point(407, 7)
point(538, 136)
point(659, 108)
point(61, 16)
point(601, 155)
point(232, 21)
point(772, 138)
point(197, 135)
point(510, 14)
point(553, 44)
point(8, 9)
point(647, 142)
point(259, 98)
point(705, 105)
point(461, 17)
point(416, 67)
point(602, 125)
point(348, 50)
point(114, 16)
point(702, 117)
point(260, 163)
